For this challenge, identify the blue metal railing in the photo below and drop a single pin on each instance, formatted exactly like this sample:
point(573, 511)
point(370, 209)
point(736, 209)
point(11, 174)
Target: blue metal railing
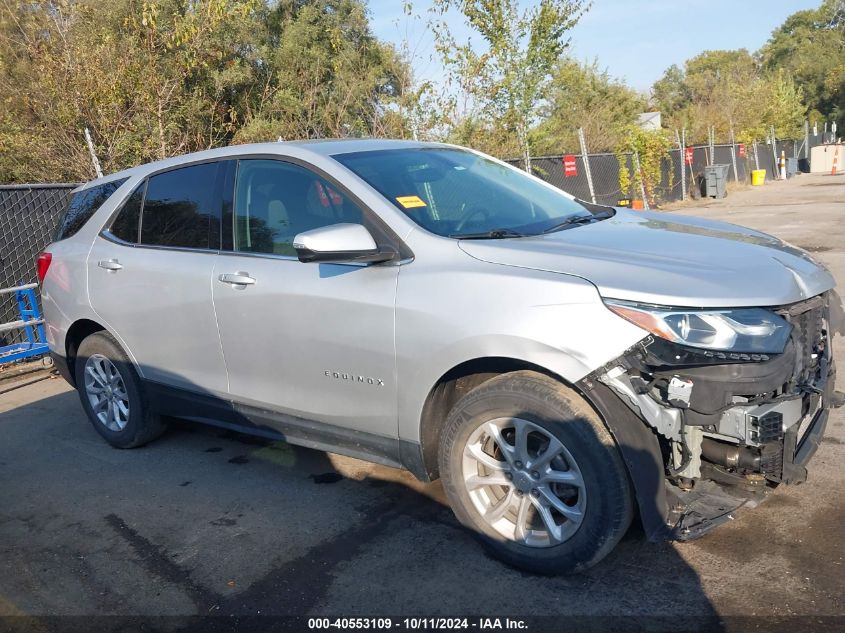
point(30, 321)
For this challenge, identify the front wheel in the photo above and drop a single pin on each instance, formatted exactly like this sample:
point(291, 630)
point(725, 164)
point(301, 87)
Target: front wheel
point(531, 469)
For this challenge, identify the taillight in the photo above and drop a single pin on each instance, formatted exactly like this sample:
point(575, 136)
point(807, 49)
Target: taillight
point(42, 264)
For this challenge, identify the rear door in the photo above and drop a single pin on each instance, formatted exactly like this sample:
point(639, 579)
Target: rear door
point(312, 341)
point(150, 276)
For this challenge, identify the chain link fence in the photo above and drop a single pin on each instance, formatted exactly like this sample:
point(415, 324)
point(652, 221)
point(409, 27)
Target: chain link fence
point(29, 215)
point(682, 171)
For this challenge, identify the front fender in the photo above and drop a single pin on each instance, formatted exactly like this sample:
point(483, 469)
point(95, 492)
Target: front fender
point(553, 321)
point(642, 455)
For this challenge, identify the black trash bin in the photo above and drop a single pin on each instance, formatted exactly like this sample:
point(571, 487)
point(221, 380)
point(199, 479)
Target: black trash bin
point(716, 181)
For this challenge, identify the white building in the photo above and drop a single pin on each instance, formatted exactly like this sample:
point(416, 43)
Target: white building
point(649, 120)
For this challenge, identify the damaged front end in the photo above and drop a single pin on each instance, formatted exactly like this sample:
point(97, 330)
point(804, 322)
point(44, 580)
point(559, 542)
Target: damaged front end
point(730, 425)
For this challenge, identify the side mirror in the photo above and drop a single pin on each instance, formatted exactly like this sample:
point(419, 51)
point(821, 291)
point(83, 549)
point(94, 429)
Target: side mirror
point(340, 243)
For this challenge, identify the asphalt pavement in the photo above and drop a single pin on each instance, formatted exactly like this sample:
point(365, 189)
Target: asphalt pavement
point(204, 521)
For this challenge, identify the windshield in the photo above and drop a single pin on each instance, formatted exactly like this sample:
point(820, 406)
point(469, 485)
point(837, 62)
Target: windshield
point(457, 193)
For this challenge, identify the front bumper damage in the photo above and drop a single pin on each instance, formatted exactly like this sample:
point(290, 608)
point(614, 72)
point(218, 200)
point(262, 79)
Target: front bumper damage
point(729, 428)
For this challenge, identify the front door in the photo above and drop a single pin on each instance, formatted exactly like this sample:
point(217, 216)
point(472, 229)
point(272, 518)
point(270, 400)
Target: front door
point(312, 341)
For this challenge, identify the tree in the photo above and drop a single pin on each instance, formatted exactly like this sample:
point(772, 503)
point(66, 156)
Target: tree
point(810, 46)
point(731, 92)
point(502, 85)
point(670, 93)
point(583, 96)
point(154, 78)
point(711, 91)
point(150, 79)
point(325, 75)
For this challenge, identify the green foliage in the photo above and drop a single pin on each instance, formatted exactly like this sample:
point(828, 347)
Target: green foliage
point(810, 47)
point(325, 75)
point(150, 79)
point(154, 78)
point(652, 148)
point(503, 84)
point(729, 91)
point(582, 95)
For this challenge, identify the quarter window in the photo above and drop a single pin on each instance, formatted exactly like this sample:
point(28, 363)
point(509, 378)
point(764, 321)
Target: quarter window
point(274, 201)
point(83, 204)
point(182, 207)
point(127, 223)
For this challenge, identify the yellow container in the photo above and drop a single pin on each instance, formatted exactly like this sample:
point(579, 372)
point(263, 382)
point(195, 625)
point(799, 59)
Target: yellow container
point(758, 177)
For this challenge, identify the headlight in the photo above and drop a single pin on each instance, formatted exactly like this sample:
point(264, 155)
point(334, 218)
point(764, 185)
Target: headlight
point(747, 330)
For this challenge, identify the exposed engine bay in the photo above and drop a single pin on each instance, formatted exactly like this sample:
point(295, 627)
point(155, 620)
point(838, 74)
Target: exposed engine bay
point(732, 426)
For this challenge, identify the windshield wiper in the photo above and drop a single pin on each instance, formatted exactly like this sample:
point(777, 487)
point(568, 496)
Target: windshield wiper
point(579, 219)
point(492, 234)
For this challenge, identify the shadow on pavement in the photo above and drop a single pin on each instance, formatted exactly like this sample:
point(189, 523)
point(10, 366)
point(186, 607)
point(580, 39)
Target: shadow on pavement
point(212, 522)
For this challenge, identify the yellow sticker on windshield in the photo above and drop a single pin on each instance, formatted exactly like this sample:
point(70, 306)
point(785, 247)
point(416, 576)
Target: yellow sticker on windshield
point(410, 202)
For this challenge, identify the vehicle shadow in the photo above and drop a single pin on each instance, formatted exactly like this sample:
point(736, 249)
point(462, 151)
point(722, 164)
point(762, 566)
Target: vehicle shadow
point(212, 522)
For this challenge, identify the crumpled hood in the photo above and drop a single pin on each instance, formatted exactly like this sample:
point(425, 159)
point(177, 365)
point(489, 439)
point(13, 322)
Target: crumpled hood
point(668, 260)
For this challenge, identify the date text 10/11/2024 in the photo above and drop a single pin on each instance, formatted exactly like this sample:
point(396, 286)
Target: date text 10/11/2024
point(419, 623)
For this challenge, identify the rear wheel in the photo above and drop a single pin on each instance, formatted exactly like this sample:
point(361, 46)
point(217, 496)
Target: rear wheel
point(112, 394)
point(531, 469)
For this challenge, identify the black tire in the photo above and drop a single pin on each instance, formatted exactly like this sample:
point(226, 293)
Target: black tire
point(142, 426)
point(559, 410)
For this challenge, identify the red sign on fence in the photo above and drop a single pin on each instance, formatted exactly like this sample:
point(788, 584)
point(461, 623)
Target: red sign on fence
point(569, 167)
point(741, 147)
point(688, 155)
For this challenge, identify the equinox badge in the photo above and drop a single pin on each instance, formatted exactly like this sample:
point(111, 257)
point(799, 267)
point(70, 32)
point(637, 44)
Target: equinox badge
point(365, 380)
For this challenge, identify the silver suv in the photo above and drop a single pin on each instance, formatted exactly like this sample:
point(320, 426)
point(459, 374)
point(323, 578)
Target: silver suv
point(561, 366)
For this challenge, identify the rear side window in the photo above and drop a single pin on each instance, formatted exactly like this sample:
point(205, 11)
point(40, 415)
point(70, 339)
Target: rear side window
point(182, 207)
point(83, 204)
point(127, 224)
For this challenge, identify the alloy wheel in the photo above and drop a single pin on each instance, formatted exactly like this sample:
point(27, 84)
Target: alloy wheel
point(106, 392)
point(524, 482)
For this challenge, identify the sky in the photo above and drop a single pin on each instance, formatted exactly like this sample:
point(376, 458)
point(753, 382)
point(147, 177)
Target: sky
point(635, 40)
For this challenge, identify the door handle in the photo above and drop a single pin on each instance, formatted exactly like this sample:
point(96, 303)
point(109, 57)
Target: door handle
point(237, 279)
point(110, 264)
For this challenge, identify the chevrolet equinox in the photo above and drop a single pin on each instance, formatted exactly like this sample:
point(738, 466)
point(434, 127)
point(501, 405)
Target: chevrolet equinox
point(561, 366)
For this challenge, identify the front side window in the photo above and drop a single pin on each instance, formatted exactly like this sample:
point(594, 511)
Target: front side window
point(182, 207)
point(84, 204)
point(457, 193)
point(275, 201)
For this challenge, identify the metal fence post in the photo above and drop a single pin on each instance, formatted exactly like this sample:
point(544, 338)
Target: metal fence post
point(586, 159)
point(642, 180)
point(733, 154)
point(775, 153)
point(683, 164)
point(712, 135)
